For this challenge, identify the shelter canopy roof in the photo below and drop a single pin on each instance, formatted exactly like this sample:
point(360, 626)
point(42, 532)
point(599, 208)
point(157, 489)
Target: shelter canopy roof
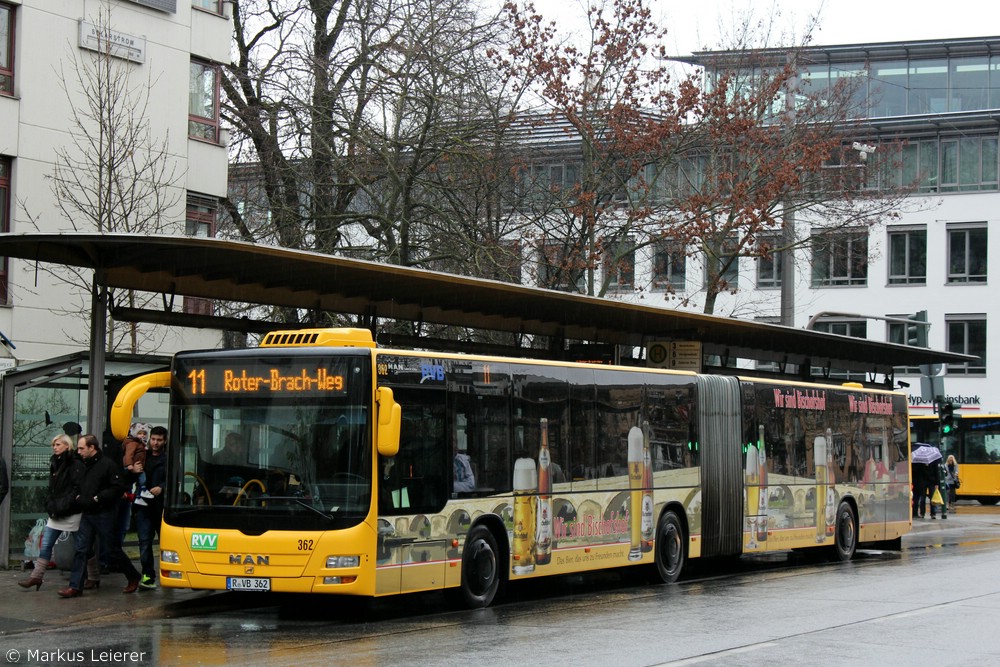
point(243, 272)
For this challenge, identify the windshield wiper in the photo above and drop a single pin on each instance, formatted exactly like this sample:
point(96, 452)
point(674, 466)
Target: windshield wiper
point(294, 499)
point(191, 510)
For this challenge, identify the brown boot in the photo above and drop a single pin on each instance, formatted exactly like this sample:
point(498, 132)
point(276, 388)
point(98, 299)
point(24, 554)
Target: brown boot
point(29, 582)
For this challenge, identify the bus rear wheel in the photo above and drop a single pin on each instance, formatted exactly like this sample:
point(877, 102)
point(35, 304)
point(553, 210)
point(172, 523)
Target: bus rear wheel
point(846, 541)
point(480, 569)
point(988, 500)
point(669, 554)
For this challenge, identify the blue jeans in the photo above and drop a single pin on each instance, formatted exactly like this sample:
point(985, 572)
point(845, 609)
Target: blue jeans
point(49, 538)
point(102, 525)
point(147, 524)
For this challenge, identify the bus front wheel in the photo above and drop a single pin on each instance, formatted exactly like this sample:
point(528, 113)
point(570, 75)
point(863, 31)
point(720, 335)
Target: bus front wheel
point(846, 542)
point(669, 547)
point(988, 500)
point(480, 568)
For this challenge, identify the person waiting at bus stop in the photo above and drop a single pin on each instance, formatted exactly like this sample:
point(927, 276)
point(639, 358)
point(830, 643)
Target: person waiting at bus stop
point(920, 476)
point(953, 483)
point(100, 489)
point(148, 516)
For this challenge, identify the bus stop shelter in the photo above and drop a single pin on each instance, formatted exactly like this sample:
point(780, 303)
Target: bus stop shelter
point(377, 293)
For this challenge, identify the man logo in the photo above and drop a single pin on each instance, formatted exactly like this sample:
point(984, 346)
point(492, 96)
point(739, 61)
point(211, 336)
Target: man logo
point(248, 559)
point(204, 541)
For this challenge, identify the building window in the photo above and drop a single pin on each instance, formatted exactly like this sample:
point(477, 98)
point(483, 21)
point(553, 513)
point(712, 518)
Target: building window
point(214, 6)
point(967, 335)
point(946, 164)
point(727, 264)
point(203, 101)
point(201, 216)
point(771, 366)
point(6, 49)
point(162, 5)
point(927, 88)
point(908, 256)
point(968, 164)
point(561, 266)
point(840, 258)
point(4, 220)
point(548, 183)
point(768, 263)
point(898, 334)
point(967, 254)
point(852, 328)
point(508, 262)
point(200, 223)
point(669, 265)
point(619, 263)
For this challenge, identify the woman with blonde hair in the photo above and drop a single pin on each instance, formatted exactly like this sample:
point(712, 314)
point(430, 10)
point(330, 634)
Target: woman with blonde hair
point(952, 480)
point(65, 473)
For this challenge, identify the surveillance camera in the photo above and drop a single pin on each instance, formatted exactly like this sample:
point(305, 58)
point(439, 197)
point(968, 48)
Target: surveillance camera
point(864, 148)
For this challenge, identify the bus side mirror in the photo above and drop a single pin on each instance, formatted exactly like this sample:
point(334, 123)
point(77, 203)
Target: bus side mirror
point(390, 416)
point(121, 411)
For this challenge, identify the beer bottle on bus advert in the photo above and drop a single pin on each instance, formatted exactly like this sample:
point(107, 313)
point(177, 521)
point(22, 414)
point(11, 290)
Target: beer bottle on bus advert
point(831, 492)
point(819, 463)
point(525, 485)
point(762, 482)
point(543, 510)
point(647, 493)
point(635, 480)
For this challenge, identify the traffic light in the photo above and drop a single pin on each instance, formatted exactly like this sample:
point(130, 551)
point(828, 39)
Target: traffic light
point(946, 416)
point(916, 334)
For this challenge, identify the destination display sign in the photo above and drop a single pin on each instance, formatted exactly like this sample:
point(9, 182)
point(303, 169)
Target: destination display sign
point(278, 377)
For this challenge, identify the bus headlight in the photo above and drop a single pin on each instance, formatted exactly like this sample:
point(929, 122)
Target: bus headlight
point(343, 561)
point(168, 556)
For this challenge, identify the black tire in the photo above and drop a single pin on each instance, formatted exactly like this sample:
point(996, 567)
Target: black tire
point(670, 549)
point(846, 537)
point(480, 569)
point(988, 500)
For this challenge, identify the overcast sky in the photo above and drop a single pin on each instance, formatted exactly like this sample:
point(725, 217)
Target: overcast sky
point(694, 24)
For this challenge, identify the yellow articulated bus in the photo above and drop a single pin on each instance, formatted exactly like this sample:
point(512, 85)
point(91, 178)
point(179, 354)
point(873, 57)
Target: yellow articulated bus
point(319, 463)
point(975, 443)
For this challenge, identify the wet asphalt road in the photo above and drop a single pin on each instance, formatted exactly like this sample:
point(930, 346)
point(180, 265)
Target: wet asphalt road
point(935, 603)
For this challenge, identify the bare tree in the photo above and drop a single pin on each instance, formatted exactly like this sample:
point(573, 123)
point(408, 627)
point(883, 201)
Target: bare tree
point(621, 114)
point(770, 149)
point(367, 128)
point(116, 173)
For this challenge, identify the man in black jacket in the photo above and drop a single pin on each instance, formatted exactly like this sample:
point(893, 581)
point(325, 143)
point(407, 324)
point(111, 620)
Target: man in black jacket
point(100, 489)
point(149, 513)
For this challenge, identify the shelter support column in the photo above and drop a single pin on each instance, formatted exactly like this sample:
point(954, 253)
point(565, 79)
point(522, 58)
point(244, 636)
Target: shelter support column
point(98, 339)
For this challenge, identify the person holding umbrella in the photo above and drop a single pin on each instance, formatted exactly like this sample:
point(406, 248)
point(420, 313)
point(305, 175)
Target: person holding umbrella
point(923, 468)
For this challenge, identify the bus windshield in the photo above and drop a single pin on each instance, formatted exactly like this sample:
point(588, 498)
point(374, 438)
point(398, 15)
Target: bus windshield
point(262, 454)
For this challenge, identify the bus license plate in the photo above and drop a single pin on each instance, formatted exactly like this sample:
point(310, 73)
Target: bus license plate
point(248, 584)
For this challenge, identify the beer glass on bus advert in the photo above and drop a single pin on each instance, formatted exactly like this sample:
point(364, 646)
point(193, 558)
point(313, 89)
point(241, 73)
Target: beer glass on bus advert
point(543, 513)
point(525, 485)
point(762, 487)
point(819, 460)
point(635, 480)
